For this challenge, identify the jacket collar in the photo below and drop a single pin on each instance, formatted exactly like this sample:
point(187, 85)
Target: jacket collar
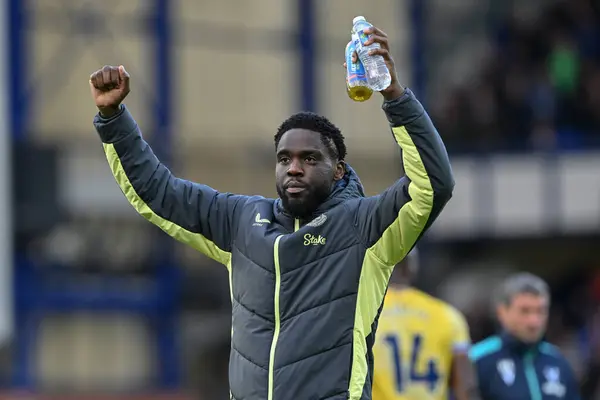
point(517, 346)
point(345, 189)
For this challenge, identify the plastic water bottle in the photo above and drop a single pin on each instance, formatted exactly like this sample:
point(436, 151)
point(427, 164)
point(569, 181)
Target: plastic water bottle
point(378, 75)
point(356, 81)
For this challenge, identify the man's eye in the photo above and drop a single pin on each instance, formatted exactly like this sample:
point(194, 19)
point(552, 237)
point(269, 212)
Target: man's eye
point(284, 160)
point(310, 159)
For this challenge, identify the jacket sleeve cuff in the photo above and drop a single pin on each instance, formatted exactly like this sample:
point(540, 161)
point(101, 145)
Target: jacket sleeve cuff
point(115, 128)
point(403, 110)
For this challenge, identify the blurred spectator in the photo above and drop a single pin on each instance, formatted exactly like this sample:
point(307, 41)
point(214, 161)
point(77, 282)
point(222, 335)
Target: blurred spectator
point(539, 90)
point(591, 376)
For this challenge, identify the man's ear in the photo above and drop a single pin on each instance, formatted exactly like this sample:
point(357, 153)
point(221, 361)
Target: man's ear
point(340, 170)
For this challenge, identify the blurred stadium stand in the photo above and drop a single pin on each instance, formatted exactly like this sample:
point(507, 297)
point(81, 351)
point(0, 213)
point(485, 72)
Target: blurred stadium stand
point(102, 303)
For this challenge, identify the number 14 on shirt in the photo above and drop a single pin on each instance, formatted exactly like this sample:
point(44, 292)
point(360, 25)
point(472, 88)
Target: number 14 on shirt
point(430, 377)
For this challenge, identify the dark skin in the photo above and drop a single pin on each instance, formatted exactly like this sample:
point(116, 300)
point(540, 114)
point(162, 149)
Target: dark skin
point(302, 158)
point(463, 381)
point(306, 171)
point(462, 378)
point(109, 87)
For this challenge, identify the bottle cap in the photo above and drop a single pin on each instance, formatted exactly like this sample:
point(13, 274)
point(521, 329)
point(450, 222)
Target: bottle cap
point(359, 18)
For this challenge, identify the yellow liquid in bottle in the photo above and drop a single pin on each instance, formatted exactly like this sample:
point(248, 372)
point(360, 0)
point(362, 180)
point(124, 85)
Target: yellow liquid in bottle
point(359, 93)
point(356, 85)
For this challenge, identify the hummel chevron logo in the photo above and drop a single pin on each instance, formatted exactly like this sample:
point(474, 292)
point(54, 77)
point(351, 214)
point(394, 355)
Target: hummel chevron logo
point(260, 221)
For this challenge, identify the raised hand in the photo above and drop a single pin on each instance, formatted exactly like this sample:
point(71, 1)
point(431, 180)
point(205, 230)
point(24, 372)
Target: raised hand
point(376, 35)
point(109, 87)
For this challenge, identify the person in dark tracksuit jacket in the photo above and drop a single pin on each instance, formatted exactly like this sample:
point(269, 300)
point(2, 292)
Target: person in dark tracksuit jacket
point(517, 364)
point(308, 271)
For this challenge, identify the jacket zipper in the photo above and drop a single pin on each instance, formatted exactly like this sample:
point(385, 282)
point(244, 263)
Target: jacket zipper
point(531, 376)
point(276, 311)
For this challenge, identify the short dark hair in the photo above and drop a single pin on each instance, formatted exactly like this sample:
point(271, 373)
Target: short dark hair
point(331, 136)
point(522, 283)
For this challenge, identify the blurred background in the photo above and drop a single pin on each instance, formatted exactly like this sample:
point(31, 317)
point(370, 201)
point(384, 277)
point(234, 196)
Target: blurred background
point(97, 303)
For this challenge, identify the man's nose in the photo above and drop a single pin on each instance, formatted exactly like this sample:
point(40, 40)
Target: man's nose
point(535, 320)
point(295, 168)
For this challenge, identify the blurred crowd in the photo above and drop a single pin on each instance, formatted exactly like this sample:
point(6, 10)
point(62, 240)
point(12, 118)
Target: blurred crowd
point(538, 90)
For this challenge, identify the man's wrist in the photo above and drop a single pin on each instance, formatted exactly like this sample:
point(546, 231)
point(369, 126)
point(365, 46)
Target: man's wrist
point(393, 92)
point(109, 112)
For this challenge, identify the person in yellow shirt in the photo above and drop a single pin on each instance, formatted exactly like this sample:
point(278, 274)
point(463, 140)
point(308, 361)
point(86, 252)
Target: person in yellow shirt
point(422, 343)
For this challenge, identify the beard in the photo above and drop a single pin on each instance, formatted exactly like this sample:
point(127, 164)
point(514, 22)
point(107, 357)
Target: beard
point(302, 205)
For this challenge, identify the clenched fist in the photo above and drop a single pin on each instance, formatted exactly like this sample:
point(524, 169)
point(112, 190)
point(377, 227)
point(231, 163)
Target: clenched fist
point(109, 86)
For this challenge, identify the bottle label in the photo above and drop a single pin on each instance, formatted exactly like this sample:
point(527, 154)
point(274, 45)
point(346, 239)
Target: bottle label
point(362, 36)
point(355, 72)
